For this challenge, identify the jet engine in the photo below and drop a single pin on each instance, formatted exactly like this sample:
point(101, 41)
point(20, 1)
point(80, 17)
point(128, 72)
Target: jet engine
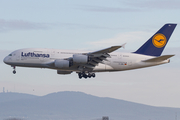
point(62, 63)
point(80, 58)
point(63, 72)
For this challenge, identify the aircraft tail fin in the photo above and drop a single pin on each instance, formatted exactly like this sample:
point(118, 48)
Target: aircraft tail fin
point(156, 44)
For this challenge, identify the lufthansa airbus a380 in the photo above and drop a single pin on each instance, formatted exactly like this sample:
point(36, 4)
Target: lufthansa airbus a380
point(86, 64)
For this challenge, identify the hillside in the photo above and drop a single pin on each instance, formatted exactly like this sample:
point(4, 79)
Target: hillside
point(78, 106)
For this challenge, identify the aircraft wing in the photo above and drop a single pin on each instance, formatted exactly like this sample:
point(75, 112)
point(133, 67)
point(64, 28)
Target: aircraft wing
point(98, 56)
point(107, 50)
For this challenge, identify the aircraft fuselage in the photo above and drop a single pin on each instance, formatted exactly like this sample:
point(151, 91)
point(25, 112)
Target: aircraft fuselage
point(44, 58)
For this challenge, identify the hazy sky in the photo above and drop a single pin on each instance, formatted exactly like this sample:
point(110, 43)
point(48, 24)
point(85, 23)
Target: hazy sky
point(91, 25)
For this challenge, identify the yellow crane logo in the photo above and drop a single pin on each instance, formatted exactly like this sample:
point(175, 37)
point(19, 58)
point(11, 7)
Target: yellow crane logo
point(159, 40)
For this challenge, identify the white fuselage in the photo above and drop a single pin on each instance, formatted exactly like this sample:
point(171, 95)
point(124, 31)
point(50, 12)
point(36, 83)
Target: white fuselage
point(44, 58)
point(85, 63)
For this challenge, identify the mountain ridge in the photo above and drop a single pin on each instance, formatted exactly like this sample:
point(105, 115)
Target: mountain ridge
point(80, 106)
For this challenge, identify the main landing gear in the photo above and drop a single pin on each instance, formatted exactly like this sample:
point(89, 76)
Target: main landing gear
point(83, 74)
point(14, 71)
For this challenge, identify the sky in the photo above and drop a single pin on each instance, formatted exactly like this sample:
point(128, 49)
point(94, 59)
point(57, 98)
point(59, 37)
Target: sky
point(91, 25)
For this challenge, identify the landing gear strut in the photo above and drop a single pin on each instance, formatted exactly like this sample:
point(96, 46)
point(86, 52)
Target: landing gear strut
point(14, 71)
point(83, 74)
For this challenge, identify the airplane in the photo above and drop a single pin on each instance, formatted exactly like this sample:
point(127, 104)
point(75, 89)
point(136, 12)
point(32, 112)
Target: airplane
point(86, 64)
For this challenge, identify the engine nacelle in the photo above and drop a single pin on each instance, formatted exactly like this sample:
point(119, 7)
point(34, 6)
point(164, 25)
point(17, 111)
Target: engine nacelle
point(80, 58)
point(63, 72)
point(62, 63)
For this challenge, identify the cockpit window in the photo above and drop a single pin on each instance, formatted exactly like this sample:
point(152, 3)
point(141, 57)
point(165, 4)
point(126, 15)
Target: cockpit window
point(10, 54)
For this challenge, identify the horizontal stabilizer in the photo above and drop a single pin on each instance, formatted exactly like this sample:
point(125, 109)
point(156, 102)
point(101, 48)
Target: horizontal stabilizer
point(158, 59)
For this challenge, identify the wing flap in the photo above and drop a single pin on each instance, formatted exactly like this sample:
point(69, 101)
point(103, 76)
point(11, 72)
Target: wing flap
point(93, 63)
point(89, 66)
point(158, 59)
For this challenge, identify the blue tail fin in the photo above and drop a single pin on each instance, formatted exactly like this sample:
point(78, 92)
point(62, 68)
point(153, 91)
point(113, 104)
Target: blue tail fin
point(156, 44)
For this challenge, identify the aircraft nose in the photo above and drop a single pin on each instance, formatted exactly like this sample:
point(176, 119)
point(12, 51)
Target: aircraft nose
point(6, 60)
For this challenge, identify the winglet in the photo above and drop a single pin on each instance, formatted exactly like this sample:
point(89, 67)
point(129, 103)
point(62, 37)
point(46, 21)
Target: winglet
point(123, 45)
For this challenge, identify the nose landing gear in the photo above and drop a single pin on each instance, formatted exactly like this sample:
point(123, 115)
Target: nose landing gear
point(83, 74)
point(14, 71)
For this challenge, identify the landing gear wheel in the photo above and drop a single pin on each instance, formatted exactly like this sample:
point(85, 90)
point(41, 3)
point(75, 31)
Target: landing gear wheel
point(89, 75)
point(84, 75)
point(80, 75)
point(93, 75)
point(14, 72)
